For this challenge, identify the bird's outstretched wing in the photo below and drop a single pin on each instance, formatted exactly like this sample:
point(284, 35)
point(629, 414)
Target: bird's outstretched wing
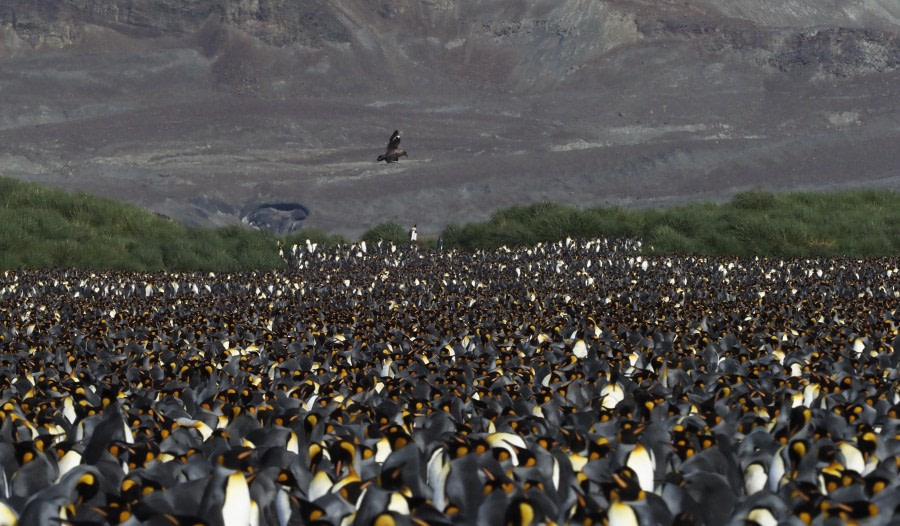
point(394, 143)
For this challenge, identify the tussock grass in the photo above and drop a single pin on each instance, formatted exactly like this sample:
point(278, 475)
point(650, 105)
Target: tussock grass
point(42, 228)
point(391, 232)
point(858, 223)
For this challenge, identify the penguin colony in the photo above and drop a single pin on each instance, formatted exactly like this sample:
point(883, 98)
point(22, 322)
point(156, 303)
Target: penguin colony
point(568, 383)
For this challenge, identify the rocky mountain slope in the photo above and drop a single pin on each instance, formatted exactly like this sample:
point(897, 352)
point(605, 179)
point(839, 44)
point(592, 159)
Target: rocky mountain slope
point(201, 109)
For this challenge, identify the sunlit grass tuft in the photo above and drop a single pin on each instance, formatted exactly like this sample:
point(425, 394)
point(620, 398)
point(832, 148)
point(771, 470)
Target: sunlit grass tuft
point(860, 223)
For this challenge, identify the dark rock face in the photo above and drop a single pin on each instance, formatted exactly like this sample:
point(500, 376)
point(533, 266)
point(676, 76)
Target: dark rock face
point(841, 52)
point(272, 21)
point(279, 218)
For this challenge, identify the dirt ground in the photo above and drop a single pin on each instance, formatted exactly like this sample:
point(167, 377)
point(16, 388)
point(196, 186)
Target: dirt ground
point(198, 133)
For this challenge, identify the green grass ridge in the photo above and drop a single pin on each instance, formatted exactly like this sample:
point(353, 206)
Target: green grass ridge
point(48, 228)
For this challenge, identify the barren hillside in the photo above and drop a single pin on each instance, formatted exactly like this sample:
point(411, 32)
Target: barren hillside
point(203, 110)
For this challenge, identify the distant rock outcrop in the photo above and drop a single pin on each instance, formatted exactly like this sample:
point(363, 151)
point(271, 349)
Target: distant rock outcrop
point(278, 218)
point(276, 22)
point(525, 42)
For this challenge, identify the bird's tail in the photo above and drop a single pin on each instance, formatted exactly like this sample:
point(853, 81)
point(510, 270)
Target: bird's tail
point(380, 158)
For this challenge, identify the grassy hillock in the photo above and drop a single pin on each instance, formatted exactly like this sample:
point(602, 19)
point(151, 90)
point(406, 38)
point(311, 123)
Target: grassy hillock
point(860, 223)
point(43, 228)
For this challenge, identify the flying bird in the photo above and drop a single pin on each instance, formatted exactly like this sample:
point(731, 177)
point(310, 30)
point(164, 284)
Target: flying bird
point(393, 153)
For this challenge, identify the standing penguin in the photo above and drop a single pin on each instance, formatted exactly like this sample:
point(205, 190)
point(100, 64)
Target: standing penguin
point(226, 500)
